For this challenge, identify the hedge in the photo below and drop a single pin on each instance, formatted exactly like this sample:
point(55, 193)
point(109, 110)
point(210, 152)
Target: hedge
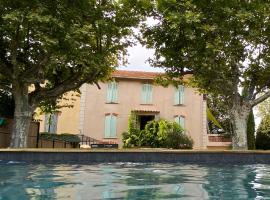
point(67, 137)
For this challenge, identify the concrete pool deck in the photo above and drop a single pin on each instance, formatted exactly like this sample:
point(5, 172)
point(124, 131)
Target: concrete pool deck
point(80, 156)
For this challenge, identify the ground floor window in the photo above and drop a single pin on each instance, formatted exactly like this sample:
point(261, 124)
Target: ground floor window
point(110, 125)
point(180, 120)
point(51, 121)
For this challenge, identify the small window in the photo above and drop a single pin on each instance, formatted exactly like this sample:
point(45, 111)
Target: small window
point(110, 126)
point(112, 91)
point(180, 120)
point(179, 95)
point(51, 121)
point(147, 93)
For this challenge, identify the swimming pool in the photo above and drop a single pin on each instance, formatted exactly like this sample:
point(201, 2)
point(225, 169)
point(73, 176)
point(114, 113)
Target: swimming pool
point(133, 181)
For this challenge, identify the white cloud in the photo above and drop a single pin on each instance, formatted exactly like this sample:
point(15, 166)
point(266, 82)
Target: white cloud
point(137, 59)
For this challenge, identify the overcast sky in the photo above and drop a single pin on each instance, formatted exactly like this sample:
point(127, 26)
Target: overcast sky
point(137, 59)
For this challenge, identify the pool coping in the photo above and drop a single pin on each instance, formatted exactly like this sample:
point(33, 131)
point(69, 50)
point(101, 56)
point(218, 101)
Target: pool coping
point(79, 156)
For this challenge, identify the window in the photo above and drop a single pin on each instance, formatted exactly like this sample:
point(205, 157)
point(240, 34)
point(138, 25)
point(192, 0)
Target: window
point(147, 93)
point(51, 123)
point(110, 126)
point(179, 95)
point(112, 92)
point(180, 120)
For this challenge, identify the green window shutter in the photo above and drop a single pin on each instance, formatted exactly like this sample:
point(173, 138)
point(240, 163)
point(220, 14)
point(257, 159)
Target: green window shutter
point(176, 96)
point(113, 126)
point(107, 127)
point(181, 94)
point(51, 121)
point(144, 93)
point(109, 93)
point(114, 92)
point(182, 122)
point(149, 93)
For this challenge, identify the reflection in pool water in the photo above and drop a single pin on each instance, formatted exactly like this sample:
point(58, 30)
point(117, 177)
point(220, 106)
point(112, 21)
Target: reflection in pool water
point(133, 181)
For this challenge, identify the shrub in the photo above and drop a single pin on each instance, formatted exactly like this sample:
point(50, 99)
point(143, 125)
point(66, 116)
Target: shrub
point(263, 135)
point(156, 134)
point(177, 139)
point(149, 136)
point(67, 137)
point(263, 140)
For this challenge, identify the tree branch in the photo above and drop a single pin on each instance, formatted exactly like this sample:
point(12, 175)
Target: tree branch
point(69, 84)
point(260, 99)
point(34, 71)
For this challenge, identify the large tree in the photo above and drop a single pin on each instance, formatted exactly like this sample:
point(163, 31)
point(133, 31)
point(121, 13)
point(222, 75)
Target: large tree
point(49, 47)
point(223, 43)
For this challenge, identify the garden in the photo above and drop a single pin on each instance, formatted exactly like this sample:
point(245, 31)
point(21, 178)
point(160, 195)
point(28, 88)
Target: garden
point(156, 134)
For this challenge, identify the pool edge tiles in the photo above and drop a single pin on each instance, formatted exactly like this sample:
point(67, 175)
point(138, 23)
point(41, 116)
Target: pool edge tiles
point(138, 156)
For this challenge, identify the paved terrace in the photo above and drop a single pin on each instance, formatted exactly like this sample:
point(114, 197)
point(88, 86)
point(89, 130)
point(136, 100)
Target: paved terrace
point(65, 156)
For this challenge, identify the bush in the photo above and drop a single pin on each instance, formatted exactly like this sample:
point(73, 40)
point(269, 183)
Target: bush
point(156, 134)
point(263, 135)
point(263, 140)
point(177, 139)
point(67, 137)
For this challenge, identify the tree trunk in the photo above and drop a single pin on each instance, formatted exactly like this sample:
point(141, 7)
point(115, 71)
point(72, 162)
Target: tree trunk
point(239, 121)
point(22, 118)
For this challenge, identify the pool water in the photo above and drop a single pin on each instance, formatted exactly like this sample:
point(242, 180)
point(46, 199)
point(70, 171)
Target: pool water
point(133, 181)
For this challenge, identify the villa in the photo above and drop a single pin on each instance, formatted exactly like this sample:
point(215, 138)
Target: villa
point(103, 113)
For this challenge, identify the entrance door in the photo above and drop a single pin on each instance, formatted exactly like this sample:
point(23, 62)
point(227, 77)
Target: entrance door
point(143, 119)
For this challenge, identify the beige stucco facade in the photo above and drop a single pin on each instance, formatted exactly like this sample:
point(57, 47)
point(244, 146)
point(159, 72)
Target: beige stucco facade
point(129, 98)
point(68, 117)
point(88, 114)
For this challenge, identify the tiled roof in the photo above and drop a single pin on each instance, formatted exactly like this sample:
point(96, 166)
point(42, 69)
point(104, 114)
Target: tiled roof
point(135, 74)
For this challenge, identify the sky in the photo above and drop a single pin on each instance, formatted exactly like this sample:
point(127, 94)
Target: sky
point(137, 59)
point(138, 54)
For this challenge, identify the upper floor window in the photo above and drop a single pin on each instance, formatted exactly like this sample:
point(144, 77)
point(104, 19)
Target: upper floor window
point(112, 92)
point(51, 123)
point(147, 92)
point(110, 126)
point(179, 96)
point(180, 120)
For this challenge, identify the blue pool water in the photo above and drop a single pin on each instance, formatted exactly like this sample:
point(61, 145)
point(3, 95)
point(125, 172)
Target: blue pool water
point(133, 181)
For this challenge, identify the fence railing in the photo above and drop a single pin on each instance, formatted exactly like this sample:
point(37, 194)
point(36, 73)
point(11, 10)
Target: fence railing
point(94, 143)
point(33, 139)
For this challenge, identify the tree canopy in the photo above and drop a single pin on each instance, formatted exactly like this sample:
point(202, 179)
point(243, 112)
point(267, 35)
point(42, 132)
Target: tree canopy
point(48, 48)
point(224, 44)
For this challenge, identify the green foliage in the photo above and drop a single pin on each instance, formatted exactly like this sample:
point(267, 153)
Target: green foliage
point(263, 140)
point(157, 134)
point(251, 131)
point(132, 136)
point(191, 37)
point(263, 134)
point(264, 113)
point(73, 138)
point(225, 44)
point(178, 140)
point(133, 126)
point(54, 47)
point(219, 109)
point(7, 104)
